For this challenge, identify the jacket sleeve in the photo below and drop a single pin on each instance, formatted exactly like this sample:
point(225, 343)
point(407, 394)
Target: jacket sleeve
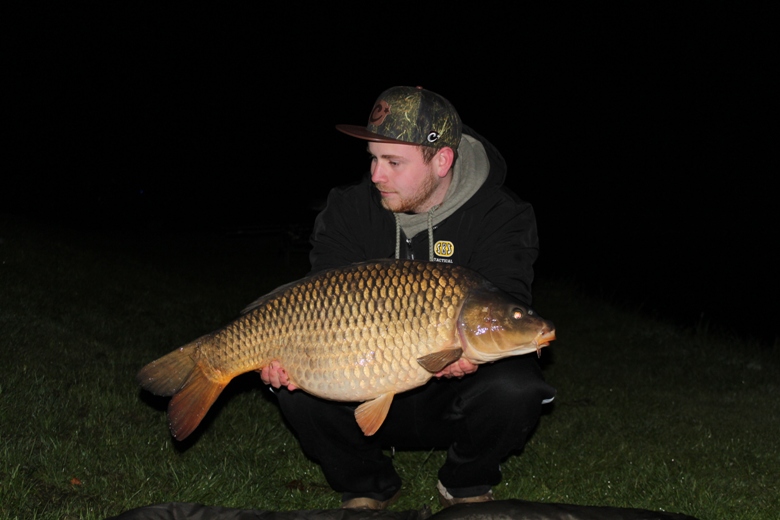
point(349, 230)
point(507, 247)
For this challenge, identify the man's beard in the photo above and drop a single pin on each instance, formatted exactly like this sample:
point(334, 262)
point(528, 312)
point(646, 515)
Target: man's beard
point(416, 201)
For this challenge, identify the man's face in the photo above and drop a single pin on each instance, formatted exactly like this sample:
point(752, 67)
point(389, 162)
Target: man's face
point(406, 183)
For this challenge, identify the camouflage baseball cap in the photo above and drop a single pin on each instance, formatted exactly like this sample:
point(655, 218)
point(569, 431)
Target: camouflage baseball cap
point(410, 115)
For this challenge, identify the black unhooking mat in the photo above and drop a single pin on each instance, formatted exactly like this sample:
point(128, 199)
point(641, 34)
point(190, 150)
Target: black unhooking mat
point(496, 510)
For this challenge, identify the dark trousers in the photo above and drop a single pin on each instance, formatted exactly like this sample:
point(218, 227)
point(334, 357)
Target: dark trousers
point(479, 419)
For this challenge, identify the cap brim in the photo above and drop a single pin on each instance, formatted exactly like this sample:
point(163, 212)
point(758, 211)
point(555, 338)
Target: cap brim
point(362, 133)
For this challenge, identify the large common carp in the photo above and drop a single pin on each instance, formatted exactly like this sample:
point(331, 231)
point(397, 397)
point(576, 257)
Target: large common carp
point(361, 333)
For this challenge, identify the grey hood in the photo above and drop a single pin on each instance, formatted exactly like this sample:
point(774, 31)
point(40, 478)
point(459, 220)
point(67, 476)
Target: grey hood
point(470, 172)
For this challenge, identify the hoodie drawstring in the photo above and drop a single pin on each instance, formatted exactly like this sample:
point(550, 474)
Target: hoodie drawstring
point(398, 235)
point(430, 235)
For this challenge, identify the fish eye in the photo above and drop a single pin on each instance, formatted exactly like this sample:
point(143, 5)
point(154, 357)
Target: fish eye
point(517, 314)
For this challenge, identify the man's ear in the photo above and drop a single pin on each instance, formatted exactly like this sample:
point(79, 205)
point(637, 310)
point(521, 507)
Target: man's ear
point(444, 159)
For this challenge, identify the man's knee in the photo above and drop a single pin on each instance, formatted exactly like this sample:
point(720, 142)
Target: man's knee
point(514, 381)
point(305, 412)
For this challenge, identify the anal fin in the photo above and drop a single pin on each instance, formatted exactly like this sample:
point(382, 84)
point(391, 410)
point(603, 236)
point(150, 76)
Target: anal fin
point(371, 414)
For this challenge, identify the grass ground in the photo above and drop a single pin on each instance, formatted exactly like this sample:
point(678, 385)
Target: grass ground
point(647, 415)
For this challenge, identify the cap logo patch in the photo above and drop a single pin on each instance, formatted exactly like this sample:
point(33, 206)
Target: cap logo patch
point(432, 137)
point(379, 113)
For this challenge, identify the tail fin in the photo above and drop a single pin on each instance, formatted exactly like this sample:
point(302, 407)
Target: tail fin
point(181, 375)
point(166, 376)
point(190, 404)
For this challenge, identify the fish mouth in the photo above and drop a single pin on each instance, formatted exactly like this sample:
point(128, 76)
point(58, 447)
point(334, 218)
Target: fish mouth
point(544, 339)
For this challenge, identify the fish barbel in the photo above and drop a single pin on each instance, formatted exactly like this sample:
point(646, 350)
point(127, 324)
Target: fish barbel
point(360, 333)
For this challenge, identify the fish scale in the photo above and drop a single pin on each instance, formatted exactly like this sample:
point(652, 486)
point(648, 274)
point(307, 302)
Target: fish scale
point(360, 333)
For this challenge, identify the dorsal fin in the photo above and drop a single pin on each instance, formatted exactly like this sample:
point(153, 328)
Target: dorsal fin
point(371, 414)
point(438, 360)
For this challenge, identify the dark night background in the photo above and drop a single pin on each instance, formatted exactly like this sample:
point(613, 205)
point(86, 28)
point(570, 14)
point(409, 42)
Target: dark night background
point(640, 131)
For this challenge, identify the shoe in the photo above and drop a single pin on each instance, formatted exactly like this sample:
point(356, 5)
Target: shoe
point(447, 500)
point(370, 503)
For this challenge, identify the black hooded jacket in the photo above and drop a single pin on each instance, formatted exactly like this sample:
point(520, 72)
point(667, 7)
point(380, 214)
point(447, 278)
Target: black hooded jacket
point(493, 232)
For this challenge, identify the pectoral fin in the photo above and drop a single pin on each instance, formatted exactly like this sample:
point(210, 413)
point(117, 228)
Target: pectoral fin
point(438, 360)
point(371, 414)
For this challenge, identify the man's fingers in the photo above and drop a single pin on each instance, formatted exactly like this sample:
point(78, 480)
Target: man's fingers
point(458, 369)
point(276, 376)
